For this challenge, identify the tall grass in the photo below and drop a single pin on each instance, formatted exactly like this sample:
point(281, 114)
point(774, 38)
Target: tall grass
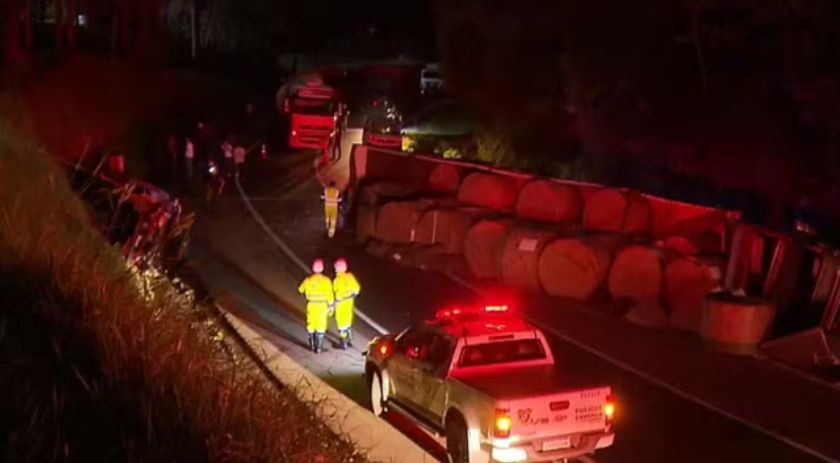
point(100, 363)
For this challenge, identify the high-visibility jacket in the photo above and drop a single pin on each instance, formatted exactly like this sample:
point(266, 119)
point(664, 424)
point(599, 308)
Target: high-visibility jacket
point(319, 297)
point(332, 196)
point(346, 288)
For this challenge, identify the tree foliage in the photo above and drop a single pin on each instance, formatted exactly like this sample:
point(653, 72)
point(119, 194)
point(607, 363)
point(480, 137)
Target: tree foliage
point(737, 92)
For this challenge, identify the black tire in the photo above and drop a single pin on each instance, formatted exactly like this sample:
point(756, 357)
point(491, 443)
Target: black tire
point(457, 444)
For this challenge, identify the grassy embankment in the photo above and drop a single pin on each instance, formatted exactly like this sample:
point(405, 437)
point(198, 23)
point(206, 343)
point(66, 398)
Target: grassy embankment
point(101, 364)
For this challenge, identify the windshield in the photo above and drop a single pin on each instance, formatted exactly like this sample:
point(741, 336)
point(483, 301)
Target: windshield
point(312, 106)
point(501, 352)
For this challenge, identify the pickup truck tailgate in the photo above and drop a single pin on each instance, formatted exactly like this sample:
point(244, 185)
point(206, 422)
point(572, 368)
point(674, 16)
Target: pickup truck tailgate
point(562, 413)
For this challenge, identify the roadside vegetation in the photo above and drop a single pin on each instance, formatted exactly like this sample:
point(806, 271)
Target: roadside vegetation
point(101, 363)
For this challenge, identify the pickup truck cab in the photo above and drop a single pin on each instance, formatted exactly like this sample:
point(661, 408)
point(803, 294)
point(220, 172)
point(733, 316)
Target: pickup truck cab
point(486, 381)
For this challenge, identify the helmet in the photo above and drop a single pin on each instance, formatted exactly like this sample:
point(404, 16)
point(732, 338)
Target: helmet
point(340, 265)
point(318, 265)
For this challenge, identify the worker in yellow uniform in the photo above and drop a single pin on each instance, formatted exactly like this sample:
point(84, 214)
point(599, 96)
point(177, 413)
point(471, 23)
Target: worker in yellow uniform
point(318, 290)
point(346, 288)
point(332, 196)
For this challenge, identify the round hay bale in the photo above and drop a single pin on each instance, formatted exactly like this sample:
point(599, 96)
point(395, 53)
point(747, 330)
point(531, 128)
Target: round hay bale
point(487, 190)
point(380, 192)
point(636, 274)
point(736, 325)
point(445, 227)
point(616, 211)
point(483, 247)
point(444, 178)
point(396, 220)
point(573, 267)
point(679, 246)
point(520, 256)
point(365, 222)
point(686, 283)
point(548, 201)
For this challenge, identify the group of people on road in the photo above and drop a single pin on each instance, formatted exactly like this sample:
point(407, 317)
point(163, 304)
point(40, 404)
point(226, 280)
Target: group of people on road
point(327, 297)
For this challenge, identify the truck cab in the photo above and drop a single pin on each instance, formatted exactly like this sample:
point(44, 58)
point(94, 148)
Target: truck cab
point(486, 381)
point(312, 110)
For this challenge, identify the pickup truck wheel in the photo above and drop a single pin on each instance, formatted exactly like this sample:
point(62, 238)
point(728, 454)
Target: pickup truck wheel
point(377, 400)
point(457, 446)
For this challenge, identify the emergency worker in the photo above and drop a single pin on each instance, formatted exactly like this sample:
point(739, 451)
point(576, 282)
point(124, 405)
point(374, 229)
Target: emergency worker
point(318, 290)
point(331, 197)
point(346, 288)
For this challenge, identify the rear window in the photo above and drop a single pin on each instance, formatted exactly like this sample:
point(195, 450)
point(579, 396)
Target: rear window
point(501, 352)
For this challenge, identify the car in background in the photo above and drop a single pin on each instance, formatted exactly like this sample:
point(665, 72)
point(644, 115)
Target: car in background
point(431, 80)
point(382, 132)
point(486, 380)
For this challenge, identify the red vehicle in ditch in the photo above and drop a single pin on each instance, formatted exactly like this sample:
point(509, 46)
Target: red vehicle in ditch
point(312, 110)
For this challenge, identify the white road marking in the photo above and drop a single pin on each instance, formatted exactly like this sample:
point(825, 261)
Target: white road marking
point(294, 257)
point(654, 380)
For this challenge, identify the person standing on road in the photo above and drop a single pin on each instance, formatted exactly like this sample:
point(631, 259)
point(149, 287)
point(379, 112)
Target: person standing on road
point(189, 158)
point(239, 154)
point(317, 288)
point(228, 164)
point(345, 288)
point(332, 198)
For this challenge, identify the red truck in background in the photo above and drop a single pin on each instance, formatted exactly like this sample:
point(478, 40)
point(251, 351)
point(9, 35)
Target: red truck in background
point(312, 110)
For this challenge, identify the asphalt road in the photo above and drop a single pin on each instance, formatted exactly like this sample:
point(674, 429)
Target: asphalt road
point(235, 258)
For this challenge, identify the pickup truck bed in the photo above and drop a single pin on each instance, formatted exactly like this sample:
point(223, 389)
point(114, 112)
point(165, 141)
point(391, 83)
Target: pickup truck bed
point(520, 382)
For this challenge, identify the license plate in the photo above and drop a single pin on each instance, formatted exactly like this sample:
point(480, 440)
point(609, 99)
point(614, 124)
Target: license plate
point(556, 444)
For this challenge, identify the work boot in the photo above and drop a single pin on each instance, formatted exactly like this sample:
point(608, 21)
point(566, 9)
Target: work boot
point(319, 343)
point(345, 343)
point(312, 342)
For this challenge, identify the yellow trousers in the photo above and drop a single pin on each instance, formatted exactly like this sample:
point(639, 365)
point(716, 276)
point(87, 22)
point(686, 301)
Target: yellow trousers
point(344, 314)
point(317, 317)
point(331, 216)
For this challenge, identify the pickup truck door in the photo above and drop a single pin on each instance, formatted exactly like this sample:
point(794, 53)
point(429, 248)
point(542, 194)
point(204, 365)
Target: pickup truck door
point(405, 366)
point(432, 378)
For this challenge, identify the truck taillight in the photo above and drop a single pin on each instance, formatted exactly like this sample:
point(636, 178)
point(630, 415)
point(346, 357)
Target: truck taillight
point(609, 410)
point(502, 423)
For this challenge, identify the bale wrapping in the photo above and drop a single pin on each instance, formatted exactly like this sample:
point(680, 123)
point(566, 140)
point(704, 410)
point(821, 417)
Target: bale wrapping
point(488, 190)
point(483, 247)
point(736, 325)
point(574, 267)
point(636, 273)
point(548, 201)
point(444, 178)
point(521, 256)
point(380, 192)
point(447, 227)
point(615, 211)
point(365, 222)
point(396, 220)
point(686, 283)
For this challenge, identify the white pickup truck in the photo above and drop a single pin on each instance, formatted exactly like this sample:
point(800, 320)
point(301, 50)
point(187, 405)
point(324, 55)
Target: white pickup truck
point(486, 381)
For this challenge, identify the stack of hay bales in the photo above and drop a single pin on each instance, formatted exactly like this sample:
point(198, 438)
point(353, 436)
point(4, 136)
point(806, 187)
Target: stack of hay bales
point(567, 240)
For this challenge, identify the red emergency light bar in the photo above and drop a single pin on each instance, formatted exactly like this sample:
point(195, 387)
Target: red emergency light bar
point(454, 312)
point(318, 93)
